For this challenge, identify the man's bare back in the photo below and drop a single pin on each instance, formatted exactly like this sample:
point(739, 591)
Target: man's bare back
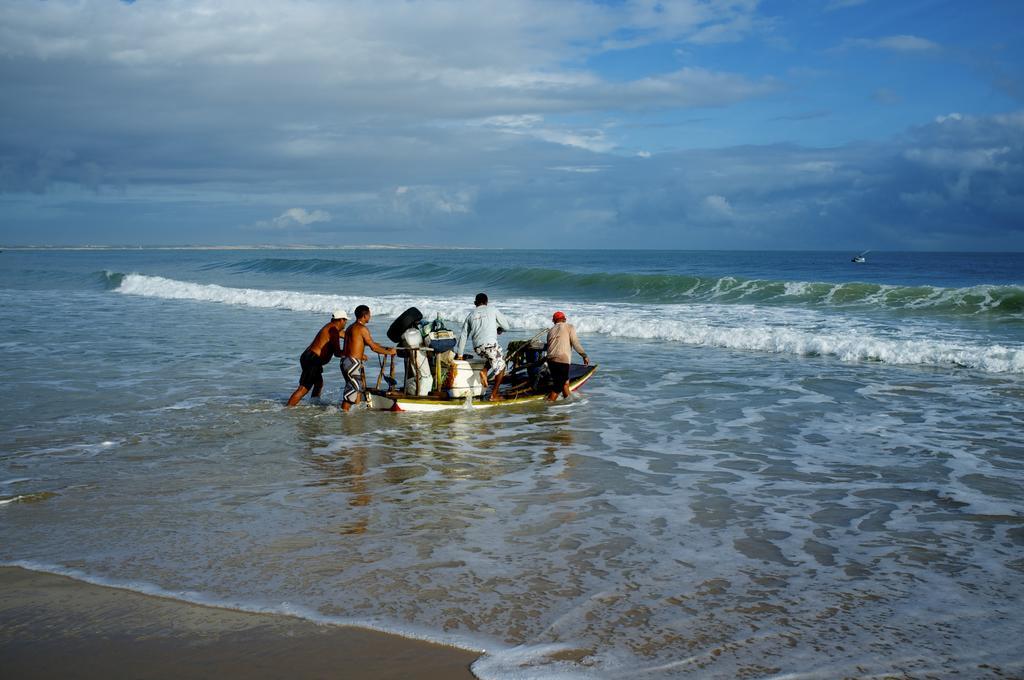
point(357, 338)
point(327, 342)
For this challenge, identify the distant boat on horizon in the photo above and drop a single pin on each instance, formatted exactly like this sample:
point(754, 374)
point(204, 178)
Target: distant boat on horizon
point(860, 259)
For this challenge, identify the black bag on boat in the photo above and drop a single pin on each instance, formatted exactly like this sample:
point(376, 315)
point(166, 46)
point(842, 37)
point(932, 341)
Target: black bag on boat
point(404, 322)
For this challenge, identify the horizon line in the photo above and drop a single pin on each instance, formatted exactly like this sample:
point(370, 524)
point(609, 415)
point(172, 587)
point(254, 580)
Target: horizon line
point(384, 246)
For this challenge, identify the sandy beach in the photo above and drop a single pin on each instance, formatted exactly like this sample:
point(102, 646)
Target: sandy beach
point(52, 626)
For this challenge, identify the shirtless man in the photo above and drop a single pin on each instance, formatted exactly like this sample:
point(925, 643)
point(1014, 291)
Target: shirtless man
point(325, 346)
point(357, 339)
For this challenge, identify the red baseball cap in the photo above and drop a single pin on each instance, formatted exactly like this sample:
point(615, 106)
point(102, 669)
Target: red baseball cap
point(558, 316)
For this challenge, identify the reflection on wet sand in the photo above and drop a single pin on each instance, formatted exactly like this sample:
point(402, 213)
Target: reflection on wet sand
point(345, 469)
point(369, 462)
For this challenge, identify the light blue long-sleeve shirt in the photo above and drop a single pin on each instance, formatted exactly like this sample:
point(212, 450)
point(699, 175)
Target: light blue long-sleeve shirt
point(482, 326)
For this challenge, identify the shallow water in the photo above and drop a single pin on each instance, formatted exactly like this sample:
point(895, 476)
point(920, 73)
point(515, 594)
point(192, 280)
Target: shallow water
point(748, 488)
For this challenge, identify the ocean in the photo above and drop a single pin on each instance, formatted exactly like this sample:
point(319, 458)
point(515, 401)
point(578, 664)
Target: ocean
point(787, 465)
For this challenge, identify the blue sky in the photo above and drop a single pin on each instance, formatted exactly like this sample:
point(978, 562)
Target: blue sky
point(846, 124)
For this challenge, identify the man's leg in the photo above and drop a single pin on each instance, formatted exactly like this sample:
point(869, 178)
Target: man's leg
point(479, 351)
point(297, 395)
point(497, 384)
point(352, 370)
point(496, 363)
point(311, 377)
point(559, 379)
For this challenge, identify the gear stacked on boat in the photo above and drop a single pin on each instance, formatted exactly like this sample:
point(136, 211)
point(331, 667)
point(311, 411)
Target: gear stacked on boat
point(435, 379)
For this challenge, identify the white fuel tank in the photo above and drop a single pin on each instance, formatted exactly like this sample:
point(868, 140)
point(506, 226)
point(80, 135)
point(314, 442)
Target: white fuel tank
point(418, 379)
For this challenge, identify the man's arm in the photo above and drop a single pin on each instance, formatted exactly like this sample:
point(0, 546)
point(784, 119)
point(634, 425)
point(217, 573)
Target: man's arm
point(379, 349)
point(463, 334)
point(336, 344)
point(501, 320)
point(575, 342)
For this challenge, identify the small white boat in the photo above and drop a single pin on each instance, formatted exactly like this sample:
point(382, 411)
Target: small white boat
point(515, 389)
point(860, 259)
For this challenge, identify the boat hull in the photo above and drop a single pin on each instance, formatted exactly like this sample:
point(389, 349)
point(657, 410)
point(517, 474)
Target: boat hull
point(380, 400)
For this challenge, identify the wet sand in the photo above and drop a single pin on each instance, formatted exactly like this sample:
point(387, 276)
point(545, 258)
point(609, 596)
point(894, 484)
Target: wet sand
point(52, 626)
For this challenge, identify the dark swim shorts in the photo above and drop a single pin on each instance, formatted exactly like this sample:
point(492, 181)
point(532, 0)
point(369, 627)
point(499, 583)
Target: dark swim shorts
point(312, 369)
point(559, 375)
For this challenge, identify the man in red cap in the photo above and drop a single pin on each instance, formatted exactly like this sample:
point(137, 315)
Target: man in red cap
point(561, 341)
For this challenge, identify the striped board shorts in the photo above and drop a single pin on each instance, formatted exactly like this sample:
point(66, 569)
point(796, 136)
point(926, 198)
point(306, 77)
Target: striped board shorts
point(352, 370)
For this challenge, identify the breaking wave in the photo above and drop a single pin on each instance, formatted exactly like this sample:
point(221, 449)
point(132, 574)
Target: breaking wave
point(110, 280)
point(997, 300)
point(747, 327)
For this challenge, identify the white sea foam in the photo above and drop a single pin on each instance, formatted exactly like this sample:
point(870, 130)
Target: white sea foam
point(796, 288)
point(528, 662)
point(81, 449)
point(733, 327)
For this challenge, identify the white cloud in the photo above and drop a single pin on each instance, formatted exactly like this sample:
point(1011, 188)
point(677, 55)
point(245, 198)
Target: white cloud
point(422, 116)
point(972, 160)
point(893, 43)
point(367, 53)
point(525, 122)
point(534, 126)
point(260, 86)
point(585, 169)
point(843, 4)
point(351, 36)
point(427, 201)
point(718, 205)
point(301, 217)
point(1013, 119)
point(906, 43)
point(693, 86)
point(818, 167)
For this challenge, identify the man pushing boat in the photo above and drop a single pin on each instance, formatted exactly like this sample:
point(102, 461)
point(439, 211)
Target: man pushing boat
point(483, 325)
point(562, 339)
point(357, 338)
point(325, 346)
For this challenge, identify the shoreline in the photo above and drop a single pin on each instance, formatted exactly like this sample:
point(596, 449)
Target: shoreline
point(57, 626)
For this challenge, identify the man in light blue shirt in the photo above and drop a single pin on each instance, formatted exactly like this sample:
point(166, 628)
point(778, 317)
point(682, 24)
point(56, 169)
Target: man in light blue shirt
point(482, 327)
